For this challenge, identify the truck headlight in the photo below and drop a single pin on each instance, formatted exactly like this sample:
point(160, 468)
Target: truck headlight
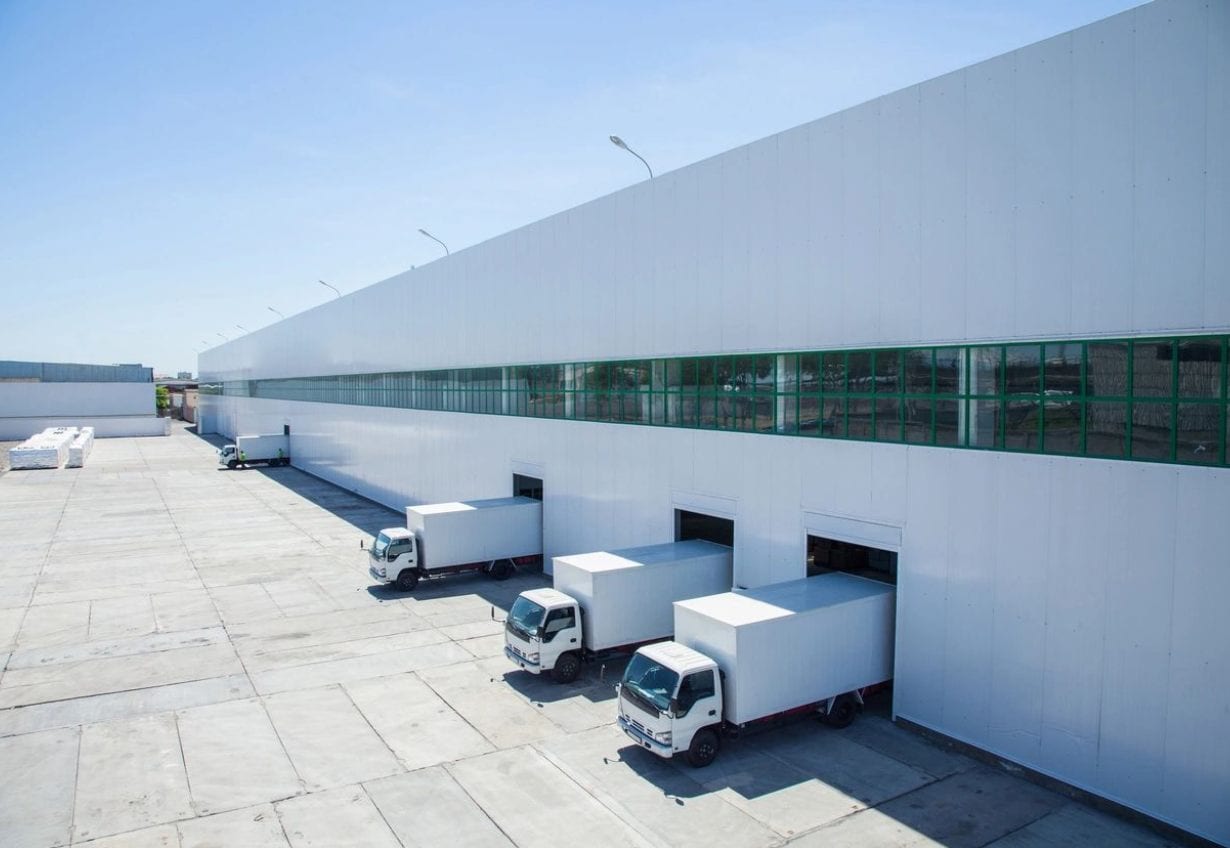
point(532, 656)
point(663, 736)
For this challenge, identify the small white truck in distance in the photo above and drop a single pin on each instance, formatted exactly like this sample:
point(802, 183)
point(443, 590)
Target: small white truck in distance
point(744, 657)
point(608, 601)
point(272, 449)
point(493, 536)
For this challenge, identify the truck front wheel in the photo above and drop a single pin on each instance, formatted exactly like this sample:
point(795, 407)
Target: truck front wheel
point(567, 667)
point(230, 463)
point(407, 580)
point(704, 748)
point(845, 708)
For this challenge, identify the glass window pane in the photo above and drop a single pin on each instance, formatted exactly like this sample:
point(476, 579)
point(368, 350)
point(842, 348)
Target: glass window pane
point(984, 426)
point(809, 415)
point(1105, 426)
point(858, 372)
point(917, 414)
point(833, 375)
point(809, 372)
point(1200, 364)
point(706, 407)
point(788, 379)
point(674, 373)
point(1106, 371)
point(1152, 365)
point(1061, 419)
point(947, 420)
point(985, 363)
point(948, 365)
point(744, 378)
point(1151, 426)
point(690, 375)
point(832, 421)
point(887, 371)
point(1197, 439)
point(858, 418)
point(765, 375)
point(888, 419)
point(918, 371)
point(1023, 371)
point(1022, 425)
point(788, 414)
point(726, 406)
point(762, 409)
point(1062, 370)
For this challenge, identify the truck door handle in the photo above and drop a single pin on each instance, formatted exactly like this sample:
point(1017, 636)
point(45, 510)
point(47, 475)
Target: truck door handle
point(712, 712)
point(573, 641)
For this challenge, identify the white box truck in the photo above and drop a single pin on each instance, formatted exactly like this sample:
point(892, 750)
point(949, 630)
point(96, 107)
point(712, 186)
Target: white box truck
point(609, 601)
point(493, 536)
point(269, 449)
point(749, 656)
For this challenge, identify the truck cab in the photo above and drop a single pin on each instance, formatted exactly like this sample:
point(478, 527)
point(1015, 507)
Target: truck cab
point(670, 702)
point(393, 557)
point(543, 634)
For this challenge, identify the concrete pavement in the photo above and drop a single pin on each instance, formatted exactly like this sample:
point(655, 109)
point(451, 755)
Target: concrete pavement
point(191, 656)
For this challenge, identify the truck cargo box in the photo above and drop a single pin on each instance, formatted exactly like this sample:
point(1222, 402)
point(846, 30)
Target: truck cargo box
point(476, 531)
point(626, 595)
point(263, 446)
point(792, 644)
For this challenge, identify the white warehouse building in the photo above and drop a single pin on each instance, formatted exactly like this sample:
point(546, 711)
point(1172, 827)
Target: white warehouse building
point(970, 336)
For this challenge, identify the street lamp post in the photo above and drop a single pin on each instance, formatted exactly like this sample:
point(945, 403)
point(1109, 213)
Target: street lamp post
point(275, 312)
point(335, 291)
point(620, 143)
point(436, 240)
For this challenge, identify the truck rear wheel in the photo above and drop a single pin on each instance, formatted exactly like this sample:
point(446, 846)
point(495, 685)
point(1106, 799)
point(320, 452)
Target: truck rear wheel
point(502, 569)
point(567, 667)
point(704, 748)
point(407, 580)
point(845, 708)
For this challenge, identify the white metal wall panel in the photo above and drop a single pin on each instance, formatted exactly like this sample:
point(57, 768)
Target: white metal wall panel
point(990, 184)
point(1043, 208)
point(53, 400)
point(900, 225)
point(1171, 101)
point(1103, 95)
point(941, 151)
point(1217, 167)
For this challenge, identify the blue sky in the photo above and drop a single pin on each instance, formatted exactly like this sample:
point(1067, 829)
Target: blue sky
point(169, 170)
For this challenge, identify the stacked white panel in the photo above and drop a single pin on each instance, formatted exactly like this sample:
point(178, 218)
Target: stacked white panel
point(80, 447)
point(476, 531)
point(48, 449)
point(792, 644)
point(626, 595)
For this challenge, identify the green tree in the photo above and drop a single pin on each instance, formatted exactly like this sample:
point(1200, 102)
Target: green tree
point(162, 400)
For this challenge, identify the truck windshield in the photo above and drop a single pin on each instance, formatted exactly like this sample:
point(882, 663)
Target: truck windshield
point(650, 682)
point(524, 617)
point(380, 546)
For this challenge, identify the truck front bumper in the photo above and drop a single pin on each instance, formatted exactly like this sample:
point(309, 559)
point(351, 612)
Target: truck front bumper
point(644, 740)
point(520, 661)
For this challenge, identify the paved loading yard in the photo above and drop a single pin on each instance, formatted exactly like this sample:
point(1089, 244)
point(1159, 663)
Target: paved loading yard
point(194, 657)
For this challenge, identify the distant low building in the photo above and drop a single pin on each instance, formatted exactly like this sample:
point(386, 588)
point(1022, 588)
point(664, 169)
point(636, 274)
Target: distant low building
point(116, 400)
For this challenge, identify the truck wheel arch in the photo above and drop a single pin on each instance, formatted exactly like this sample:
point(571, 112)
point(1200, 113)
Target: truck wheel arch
point(407, 579)
point(703, 748)
point(567, 667)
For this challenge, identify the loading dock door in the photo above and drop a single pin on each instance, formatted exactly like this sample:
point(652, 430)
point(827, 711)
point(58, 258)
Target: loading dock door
point(525, 486)
point(697, 525)
point(825, 555)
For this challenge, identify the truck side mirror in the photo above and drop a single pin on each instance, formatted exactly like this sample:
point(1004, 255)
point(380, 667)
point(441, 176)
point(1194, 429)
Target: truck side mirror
point(541, 631)
point(673, 707)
